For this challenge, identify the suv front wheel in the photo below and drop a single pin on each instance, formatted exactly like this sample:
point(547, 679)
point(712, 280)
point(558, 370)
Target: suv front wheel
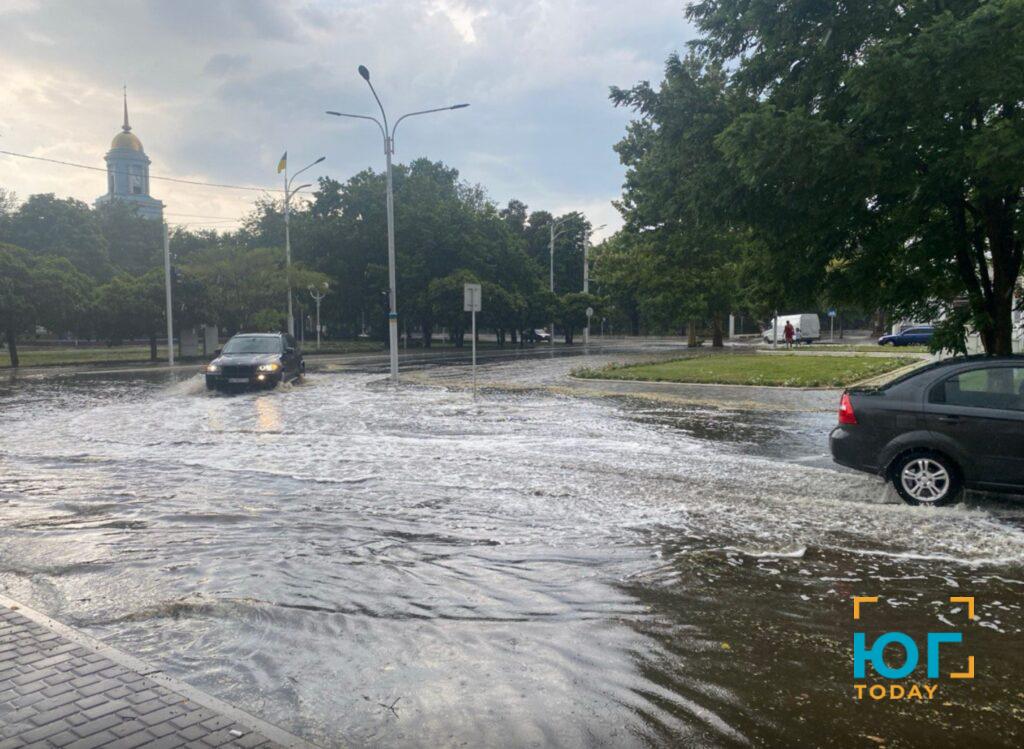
point(927, 478)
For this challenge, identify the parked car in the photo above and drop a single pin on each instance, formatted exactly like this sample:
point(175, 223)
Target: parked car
point(915, 336)
point(808, 328)
point(541, 335)
point(951, 425)
point(255, 360)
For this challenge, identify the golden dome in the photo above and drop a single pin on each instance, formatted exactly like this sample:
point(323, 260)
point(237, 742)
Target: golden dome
point(127, 140)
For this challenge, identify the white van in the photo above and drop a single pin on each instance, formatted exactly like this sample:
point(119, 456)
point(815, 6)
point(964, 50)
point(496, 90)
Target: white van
point(808, 328)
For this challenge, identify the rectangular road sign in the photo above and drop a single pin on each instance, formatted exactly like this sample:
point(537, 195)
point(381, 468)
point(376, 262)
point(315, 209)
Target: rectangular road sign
point(471, 298)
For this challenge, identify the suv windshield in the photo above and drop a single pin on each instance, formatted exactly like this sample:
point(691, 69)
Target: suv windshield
point(253, 345)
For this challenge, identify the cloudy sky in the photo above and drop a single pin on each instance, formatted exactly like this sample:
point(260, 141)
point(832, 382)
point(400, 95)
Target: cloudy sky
point(217, 89)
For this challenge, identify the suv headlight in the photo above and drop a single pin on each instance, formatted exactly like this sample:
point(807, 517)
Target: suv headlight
point(272, 367)
point(212, 369)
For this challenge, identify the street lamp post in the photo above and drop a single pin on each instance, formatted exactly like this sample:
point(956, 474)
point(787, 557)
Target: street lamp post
point(318, 296)
point(555, 233)
point(288, 193)
point(389, 149)
point(586, 276)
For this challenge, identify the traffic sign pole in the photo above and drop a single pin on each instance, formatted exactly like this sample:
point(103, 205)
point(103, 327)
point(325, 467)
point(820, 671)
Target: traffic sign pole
point(471, 302)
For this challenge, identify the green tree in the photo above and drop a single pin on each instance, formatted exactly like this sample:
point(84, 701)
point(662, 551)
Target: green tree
point(678, 201)
point(880, 146)
point(571, 312)
point(63, 228)
point(240, 284)
point(38, 290)
point(134, 244)
point(130, 306)
point(447, 303)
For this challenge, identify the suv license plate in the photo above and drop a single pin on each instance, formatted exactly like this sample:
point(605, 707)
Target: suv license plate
point(238, 380)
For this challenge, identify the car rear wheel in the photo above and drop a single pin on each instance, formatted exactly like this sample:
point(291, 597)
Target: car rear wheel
point(927, 478)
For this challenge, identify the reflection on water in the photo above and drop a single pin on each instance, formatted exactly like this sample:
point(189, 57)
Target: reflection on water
point(516, 569)
point(268, 414)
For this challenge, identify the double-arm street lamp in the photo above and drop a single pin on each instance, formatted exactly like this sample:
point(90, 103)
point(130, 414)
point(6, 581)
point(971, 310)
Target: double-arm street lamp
point(555, 232)
point(389, 150)
point(318, 294)
point(289, 191)
point(586, 275)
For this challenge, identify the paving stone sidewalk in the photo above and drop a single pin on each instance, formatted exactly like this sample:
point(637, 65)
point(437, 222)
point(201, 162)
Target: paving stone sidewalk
point(61, 688)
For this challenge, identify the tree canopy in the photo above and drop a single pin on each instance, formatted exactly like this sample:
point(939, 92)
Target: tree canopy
point(845, 151)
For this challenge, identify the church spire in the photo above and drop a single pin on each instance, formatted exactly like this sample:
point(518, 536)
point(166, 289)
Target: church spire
point(126, 127)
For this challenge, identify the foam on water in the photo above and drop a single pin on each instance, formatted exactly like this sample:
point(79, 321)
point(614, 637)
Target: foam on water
point(479, 557)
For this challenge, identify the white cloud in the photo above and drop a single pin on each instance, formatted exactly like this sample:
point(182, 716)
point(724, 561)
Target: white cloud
point(218, 88)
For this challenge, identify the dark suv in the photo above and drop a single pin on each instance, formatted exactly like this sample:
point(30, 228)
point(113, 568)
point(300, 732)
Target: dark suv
point(950, 425)
point(255, 360)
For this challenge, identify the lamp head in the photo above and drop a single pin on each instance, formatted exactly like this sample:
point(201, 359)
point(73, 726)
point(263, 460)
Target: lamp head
point(364, 73)
point(459, 106)
point(320, 159)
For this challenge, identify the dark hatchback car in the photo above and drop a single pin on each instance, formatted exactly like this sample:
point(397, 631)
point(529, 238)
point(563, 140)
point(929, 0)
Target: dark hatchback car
point(952, 425)
point(255, 360)
point(916, 336)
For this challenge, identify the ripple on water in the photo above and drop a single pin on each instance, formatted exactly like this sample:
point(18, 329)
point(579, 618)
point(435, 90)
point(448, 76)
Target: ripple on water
point(515, 569)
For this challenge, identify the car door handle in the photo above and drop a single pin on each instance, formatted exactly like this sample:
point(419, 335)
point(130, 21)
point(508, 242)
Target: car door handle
point(949, 419)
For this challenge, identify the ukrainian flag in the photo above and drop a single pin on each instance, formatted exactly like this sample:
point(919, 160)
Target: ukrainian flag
point(283, 163)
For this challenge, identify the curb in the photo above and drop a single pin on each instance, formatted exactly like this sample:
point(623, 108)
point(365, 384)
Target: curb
point(140, 667)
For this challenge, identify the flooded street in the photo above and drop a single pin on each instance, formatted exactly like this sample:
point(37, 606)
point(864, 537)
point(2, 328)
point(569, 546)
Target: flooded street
point(370, 566)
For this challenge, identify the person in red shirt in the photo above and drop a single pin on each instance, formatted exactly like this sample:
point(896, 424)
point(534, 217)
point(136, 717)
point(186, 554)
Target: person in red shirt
point(789, 332)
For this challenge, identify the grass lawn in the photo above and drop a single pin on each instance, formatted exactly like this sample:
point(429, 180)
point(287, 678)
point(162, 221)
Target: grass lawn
point(343, 347)
point(53, 355)
point(871, 348)
point(42, 356)
point(754, 369)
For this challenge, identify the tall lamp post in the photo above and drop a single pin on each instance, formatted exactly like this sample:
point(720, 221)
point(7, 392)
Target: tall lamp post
point(555, 233)
point(288, 193)
point(586, 275)
point(389, 150)
point(318, 295)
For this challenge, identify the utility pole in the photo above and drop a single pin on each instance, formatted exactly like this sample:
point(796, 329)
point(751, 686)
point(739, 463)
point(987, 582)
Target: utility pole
point(167, 286)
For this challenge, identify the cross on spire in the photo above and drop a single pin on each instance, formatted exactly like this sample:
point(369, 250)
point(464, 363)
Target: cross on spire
point(126, 127)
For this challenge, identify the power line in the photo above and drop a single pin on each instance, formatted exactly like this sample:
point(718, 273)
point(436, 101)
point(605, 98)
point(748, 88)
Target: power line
point(196, 215)
point(163, 179)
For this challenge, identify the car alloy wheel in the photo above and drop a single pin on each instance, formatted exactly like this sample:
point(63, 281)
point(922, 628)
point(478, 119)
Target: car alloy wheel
point(927, 478)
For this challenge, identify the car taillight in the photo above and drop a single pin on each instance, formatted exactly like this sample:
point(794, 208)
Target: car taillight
point(846, 415)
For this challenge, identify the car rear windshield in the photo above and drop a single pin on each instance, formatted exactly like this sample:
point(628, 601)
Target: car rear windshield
point(253, 345)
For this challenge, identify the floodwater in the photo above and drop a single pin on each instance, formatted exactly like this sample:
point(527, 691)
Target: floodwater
point(413, 566)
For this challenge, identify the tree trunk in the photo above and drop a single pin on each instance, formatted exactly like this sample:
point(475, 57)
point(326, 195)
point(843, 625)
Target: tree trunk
point(634, 322)
point(458, 335)
point(428, 333)
point(691, 334)
point(513, 336)
point(152, 347)
point(716, 341)
point(567, 330)
point(880, 323)
point(989, 263)
point(12, 348)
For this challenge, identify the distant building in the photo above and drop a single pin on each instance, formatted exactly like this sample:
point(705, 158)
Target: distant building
point(128, 173)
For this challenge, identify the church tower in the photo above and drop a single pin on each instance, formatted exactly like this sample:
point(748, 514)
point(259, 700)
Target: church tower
point(128, 173)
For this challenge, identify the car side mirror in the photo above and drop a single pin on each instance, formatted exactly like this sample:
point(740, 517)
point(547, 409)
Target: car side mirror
point(216, 353)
